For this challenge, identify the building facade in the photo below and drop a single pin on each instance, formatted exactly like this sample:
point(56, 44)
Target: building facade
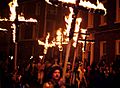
point(106, 31)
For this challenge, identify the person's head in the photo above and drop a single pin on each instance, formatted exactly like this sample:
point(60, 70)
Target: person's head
point(68, 65)
point(56, 73)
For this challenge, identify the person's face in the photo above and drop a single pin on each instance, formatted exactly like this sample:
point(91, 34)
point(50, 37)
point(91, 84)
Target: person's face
point(68, 67)
point(56, 74)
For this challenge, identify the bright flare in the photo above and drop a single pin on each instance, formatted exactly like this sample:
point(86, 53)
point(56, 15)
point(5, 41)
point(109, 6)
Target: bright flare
point(1, 29)
point(22, 18)
point(14, 32)
point(68, 20)
point(68, 1)
point(77, 27)
point(13, 6)
point(46, 44)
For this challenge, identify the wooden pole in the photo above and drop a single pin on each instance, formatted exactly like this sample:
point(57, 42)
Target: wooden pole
point(91, 53)
point(70, 37)
point(15, 59)
point(16, 39)
point(60, 58)
point(66, 59)
point(75, 55)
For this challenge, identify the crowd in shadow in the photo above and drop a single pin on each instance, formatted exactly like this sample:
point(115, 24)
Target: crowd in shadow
point(34, 75)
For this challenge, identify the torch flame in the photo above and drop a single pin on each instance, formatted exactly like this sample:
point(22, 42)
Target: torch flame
point(22, 18)
point(77, 27)
point(48, 2)
point(68, 20)
point(46, 44)
point(68, 1)
point(13, 6)
point(5, 19)
point(88, 4)
point(1, 29)
point(14, 32)
point(59, 39)
point(83, 37)
point(84, 3)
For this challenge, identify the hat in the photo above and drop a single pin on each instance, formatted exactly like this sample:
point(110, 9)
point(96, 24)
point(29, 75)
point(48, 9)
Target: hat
point(56, 67)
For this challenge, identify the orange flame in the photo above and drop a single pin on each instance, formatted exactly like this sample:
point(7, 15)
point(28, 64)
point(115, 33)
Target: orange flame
point(1, 29)
point(84, 3)
point(5, 19)
point(22, 18)
point(77, 27)
point(88, 4)
point(14, 32)
point(68, 20)
point(59, 39)
point(68, 1)
point(46, 44)
point(13, 6)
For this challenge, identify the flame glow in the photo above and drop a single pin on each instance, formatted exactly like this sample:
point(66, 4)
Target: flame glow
point(84, 3)
point(68, 20)
point(5, 19)
point(13, 6)
point(88, 4)
point(14, 32)
point(59, 39)
point(46, 44)
point(22, 18)
point(68, 1)
point(48, 2)
point(77, 27)
point(1, 29)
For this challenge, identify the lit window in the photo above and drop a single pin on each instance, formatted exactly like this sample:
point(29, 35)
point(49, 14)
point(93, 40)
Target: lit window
point(90, 20)
point(102, 48)
point(117, 10)
point(117, 47)
point(102, 20)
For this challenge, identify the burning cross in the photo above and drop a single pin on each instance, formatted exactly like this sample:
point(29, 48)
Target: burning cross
point(77, 5)
point(15, 18)
point(46, 44)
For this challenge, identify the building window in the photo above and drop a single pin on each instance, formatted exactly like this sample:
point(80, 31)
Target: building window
point(102, 17)
point(90, 20)
point(117, 10)
point(117, 47)
point(102, 20)
point(103, 48)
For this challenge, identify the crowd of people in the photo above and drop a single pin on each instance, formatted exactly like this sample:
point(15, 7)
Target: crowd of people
point(50, 75)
